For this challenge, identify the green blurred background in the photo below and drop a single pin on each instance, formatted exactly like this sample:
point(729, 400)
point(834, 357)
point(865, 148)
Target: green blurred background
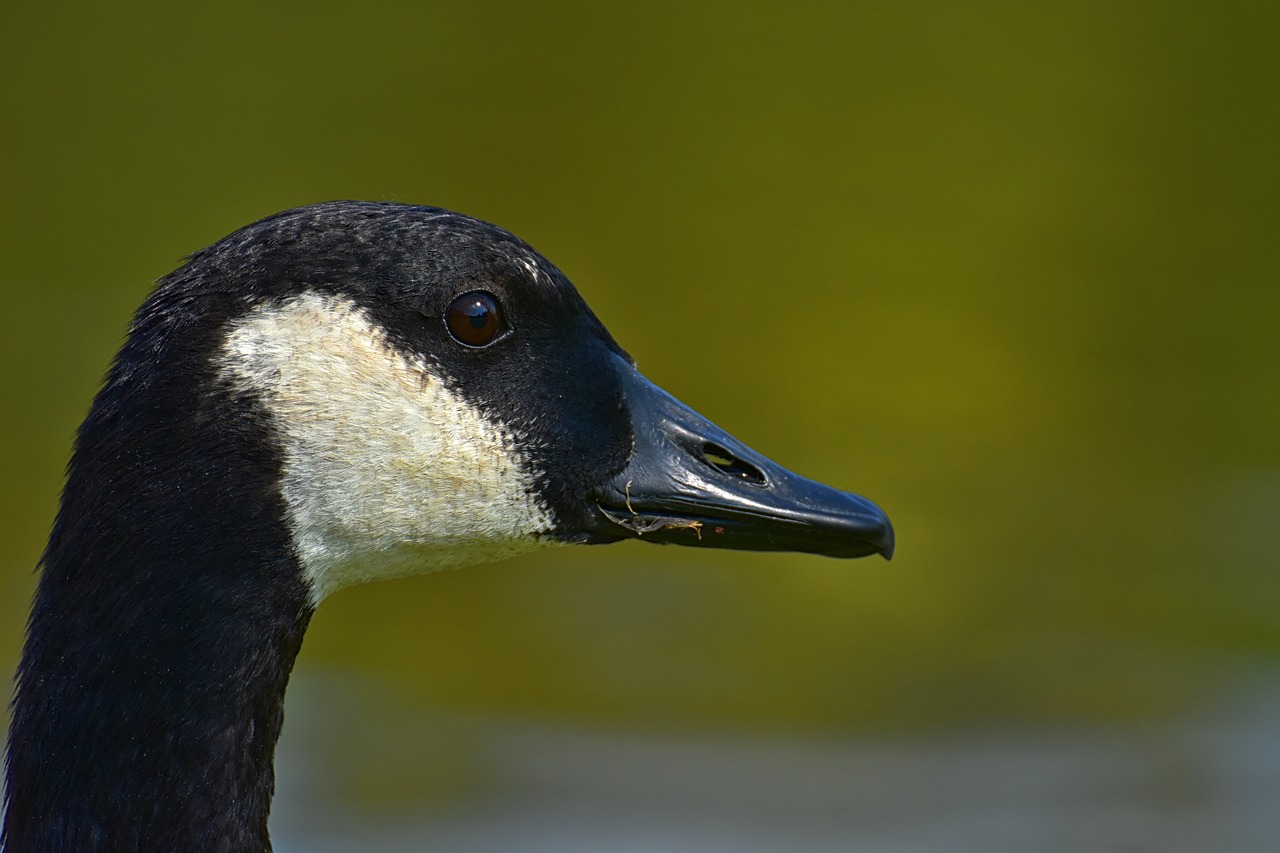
point(1009, 270)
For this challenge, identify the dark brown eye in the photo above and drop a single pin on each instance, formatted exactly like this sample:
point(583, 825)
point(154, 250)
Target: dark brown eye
point(474, 318)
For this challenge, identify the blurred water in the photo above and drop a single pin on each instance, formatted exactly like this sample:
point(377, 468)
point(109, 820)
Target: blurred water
point(1205, 782)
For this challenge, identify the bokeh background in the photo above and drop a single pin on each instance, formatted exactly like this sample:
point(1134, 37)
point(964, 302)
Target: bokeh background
point(1011, 270)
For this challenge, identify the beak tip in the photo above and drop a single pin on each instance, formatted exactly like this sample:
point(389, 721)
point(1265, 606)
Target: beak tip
point(888, 542)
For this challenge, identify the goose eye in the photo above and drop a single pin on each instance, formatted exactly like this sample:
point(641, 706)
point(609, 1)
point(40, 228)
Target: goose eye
point(474, 318)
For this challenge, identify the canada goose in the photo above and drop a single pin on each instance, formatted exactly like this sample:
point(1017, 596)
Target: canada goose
point(332, 395)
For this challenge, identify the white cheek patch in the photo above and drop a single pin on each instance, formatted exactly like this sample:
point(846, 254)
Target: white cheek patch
point(386, 472)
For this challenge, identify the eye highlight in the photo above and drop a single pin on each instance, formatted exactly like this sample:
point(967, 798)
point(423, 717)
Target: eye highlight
point(474, 319)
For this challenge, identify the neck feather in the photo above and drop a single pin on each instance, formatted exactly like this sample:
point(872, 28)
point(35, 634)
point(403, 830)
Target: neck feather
point(169, 613)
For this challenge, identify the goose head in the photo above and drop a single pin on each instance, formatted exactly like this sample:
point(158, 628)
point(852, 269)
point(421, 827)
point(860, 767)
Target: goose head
point(441, 395)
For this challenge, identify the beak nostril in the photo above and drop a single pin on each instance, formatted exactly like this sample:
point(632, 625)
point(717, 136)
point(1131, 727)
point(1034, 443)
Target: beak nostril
point(726, 463)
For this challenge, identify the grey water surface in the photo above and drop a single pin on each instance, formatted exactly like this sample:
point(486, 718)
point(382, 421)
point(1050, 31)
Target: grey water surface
point(1207, 782)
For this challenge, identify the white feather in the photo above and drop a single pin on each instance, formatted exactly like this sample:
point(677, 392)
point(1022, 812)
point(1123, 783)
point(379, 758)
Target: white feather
point(386, 471)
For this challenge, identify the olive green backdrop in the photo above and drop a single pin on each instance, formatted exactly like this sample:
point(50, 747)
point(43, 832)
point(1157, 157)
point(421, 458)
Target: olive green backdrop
point(1010, 271)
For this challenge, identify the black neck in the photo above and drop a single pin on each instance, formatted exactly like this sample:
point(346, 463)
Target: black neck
point(168, 616)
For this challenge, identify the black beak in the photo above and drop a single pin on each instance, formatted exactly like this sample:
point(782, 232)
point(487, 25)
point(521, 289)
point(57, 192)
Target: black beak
point(691, 483)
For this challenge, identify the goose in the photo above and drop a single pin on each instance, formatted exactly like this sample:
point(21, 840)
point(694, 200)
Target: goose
point(332, 395)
